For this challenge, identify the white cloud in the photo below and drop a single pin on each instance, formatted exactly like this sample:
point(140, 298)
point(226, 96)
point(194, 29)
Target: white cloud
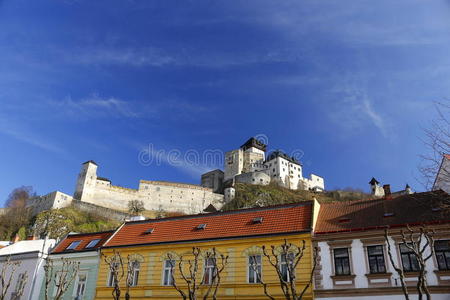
point(18, 132)
point(97, 106)
point(352, 109)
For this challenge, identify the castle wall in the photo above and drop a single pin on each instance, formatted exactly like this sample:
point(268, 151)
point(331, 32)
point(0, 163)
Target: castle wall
point(253, 178)
point(234, 163)
point(156, 195)
point(54, 200)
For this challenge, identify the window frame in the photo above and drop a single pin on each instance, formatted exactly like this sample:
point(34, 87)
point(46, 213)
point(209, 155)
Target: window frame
point(70, 247)
point(446, 260)
point(110, 277)
point(283, 265)
point(376, 256)
point(411, 258)
point(336, 259)
point(135, 273)
point(77, 281)
point(251, 270)
point(209, 271)
point(169, 270)
point(92, 241)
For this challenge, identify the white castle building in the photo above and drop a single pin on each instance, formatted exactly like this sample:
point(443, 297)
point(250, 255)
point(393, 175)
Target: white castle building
point(442, 181)
point(249, 164)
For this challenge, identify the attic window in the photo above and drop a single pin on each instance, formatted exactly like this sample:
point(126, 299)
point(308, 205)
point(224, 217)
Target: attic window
point(435, 209)
point(344, 220)
point(73, 245)
point(389, 214)
point(257, 220)
point(201, 226)
point(92, 243)
point(149, 231)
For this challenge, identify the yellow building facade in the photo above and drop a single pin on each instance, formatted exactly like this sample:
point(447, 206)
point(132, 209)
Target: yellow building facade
point(235, 235)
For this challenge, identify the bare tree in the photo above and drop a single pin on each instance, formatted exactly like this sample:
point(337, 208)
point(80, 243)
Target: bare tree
point(61, 278)
point(190, 273)
point(284, 259)
point(17, 213)
point(116, 272)
point(116, 266)
point(7, 272)
point(135, 207)
point(417, 242)
point(437, 141)
point(51, 224)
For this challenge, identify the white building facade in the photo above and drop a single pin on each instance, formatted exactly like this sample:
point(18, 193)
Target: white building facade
point(353, 257)
point(31, 258)
point(278, 167)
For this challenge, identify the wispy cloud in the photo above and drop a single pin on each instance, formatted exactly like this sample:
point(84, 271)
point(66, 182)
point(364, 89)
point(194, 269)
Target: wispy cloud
point(189, 162)
point(19, 132)
point(98, 106)
point(351, 108)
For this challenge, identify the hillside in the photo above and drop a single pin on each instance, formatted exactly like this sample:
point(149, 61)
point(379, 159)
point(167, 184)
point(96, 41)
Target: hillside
point(248, 195)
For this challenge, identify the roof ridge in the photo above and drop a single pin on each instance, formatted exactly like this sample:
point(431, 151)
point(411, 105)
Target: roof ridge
point(229, 212)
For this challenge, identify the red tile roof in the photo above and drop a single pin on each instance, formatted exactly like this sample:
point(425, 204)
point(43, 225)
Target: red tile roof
point(85, 238)
point(280, 219)
point(418, 208)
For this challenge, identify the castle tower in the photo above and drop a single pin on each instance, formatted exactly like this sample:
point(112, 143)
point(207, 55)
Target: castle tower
point(375, 188)
point(86, 181)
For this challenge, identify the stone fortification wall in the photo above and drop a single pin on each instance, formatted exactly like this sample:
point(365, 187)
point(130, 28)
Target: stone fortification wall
point(99, 210)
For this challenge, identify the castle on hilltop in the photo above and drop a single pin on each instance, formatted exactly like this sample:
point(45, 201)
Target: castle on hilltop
point(249, 164)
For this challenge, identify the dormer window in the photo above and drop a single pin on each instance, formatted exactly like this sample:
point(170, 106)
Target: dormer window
point(149, 231)
point(92, 243)
point(73, 245)
point(201, 226)
point(389, 214)
point(257, 220)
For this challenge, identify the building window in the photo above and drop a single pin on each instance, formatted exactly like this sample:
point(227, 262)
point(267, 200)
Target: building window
point(168, 268)
point(376, 259)
point(341, 261)
point(114, 269)
point(254, 269)
point(92, 243)
point(210, 271)
point(442, 250)
point(21, 280)
point(80, 286)
point(73, 245)
point(286, 266)
point(134, 272)
point(409, 260)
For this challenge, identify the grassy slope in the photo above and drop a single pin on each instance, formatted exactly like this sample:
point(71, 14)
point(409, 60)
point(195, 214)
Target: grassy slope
point(248, 195)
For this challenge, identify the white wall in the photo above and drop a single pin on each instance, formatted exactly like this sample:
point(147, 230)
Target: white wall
point(359, 266)
point(443, 176)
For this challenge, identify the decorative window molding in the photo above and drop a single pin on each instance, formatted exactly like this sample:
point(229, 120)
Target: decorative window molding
point(136, 257)
point(253, 250)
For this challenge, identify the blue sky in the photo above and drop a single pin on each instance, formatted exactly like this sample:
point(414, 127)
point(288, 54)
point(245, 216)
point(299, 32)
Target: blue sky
point(348, 83)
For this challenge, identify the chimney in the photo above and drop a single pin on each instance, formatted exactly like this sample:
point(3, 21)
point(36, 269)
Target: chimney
point(387, 190)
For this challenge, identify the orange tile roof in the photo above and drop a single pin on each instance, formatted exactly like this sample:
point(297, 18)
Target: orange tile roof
point(291, 218)
point(85, 238)
point(413, 209)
